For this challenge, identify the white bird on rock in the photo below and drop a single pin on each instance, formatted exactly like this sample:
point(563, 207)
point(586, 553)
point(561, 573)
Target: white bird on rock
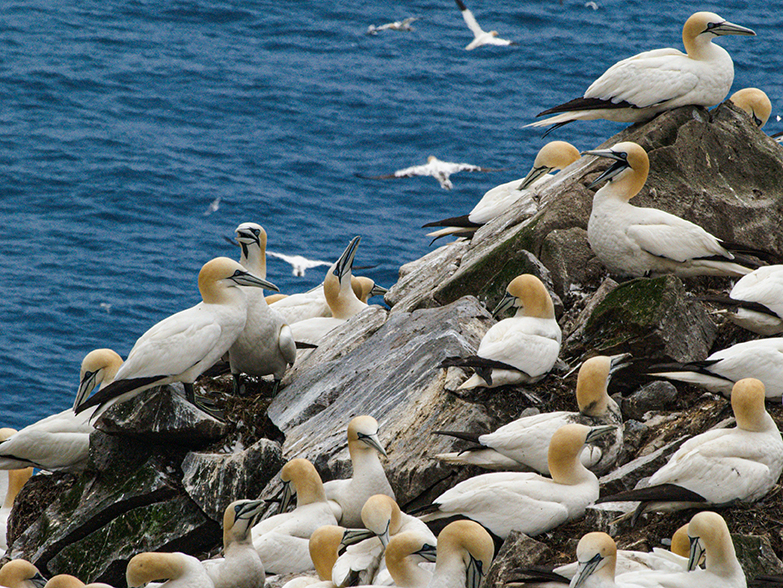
point(183, 346)
point(14, 480)
point(464, 554)
point(638, 88)
point(524, 501)
point(440, 170)
point(633, 241)
point(520, 193)
point(240, 566)
point(756, 301)
point(721, 466)
point(755, 102)
point(523, 444)
point(20, 573)
point(481, 37)
point(61, 442)
point(282, 540)
point(179, 570)
point(520, 349)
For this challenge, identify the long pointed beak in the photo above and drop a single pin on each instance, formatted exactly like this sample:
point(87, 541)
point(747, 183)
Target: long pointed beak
point(620, 165)
point(617, 362)
point(352, 537)
point(251, 510)
point(596, 432)
point(585, 570)
point(505, 303)
point(287, 497)
point(343, 265)
point(38, 580)
point(384, 537)
point(378, 290)
point(248, 279)
point(533, 175)
point(86, 386)
point(248, 237)
point(475, 573)
point(374, 442)
point(728, 28)
point(697, 552)
point(427, 552)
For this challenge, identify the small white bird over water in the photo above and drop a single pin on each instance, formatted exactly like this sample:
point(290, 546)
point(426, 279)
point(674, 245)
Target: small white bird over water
point(397, 25)
point(638, 88)
point(299, 264)
point(440, 170)
point(481, 37)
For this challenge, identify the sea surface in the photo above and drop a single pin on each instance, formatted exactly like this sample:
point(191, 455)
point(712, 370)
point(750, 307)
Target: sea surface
point(136, 135)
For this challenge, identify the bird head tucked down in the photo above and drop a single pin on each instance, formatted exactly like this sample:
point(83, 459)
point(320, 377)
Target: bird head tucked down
point(596, 554)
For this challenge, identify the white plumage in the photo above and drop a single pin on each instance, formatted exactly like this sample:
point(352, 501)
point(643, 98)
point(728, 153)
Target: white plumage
point(464, 555)
point(178, 569)
point(480, 36)
point(759, 297)
point(240, 566)
point(438, 169)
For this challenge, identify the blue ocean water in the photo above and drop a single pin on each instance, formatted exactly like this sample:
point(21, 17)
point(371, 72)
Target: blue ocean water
point(122, 121)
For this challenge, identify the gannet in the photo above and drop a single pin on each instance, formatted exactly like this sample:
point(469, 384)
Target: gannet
point(20, 573)
point(633, 241)
point(365, 288)
point(529, 502)
point(397, 25)
point(282, 540)
point(347, 497)
point(464, 555)
point(324, 546)
point(481, 37)
point(755, 102)
point(15, 479)
point(240, 566)
point(720, 466)
point(440, 170)
point(638, 88)
point(755, 302)
point(181, 347)
point(520, 349)
point(299, 264)
point(761, 359)
point(178, 569)
point(522, 444)
point(61, 442)
point(554, 155)
point(266, 345)
point(404, 553)
point(340, 297)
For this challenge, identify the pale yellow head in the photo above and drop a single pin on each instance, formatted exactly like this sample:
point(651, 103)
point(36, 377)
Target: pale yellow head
point(747, 402)
point(403, 553)
point(305, 479)
point(238, 518)
point(16, 573)
point(591, 386)
point(150, 566)
point(252, 241)
point(755, 102)
point(556, 155)
point(324, 545)
point(531, 296)
point(468, 541)
point(681, 545)
point(104, 363)
point(363, 435)
point(710, 528)
point(64, 581)
point(564, 449)
point(702, 27)
point(221, 275)
point(596, 554)
point(381, 515)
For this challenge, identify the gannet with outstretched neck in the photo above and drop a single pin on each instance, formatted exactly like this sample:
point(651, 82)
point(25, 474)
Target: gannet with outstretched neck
point(755, 102)
point(520, 349)
point(282, 540)
point(181, 347)
point(720, 466)
point(633, 241)
point(178, 569)
point(520, 193)
point(464, 554)
point(528, 502)
point(20, 573)
point(440, 170)
point(638, 88)
point(240, 566)
point(61, 442)
point(522, 444)
point(266, 345)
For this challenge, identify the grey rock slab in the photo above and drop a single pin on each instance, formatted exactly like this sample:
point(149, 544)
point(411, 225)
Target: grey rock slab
point(657, 395)
point(518, 551)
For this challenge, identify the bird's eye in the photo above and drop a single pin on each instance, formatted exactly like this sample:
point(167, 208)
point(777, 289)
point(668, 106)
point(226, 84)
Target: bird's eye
point(256, 232)
point(238, 273)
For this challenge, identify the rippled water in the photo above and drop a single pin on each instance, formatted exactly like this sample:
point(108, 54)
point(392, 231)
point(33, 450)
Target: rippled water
point(121, 122)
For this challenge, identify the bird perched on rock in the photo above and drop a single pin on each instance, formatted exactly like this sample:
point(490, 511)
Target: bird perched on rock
point(523, 444)
point(755, 102)
point(440, 170)
point(464, 554)
point(633, 241)
point(638, 88)
point(554, 155)
point(481, 37)
point(179, 570)
point(240, 566)
point(520, 349)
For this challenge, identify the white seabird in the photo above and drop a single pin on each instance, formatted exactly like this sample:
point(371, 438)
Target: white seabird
point(633, 241)
point(299, 264)
point(520, 349)
point(440, 170)
point(464, 554)
point(14, 480)
point(347, 497)
point(282, 540)
point(481, 37)
point(755, 102)
point(404, 553)
point(178, 569)
point(397, 25)
point(181, 347)
point(20, 573)
point(756, 301)
point(554, 155)
point(761, 359)
point(523, 444)
point(266, 345)
point(720, 466)
point(240, 566)
point(61, 442)
point(638, 88)
point(529, 502)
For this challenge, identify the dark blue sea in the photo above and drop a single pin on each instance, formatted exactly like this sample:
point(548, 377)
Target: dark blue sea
point(121, 122)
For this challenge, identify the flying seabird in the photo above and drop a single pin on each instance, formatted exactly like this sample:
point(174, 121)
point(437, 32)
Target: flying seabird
point(520, 349)
point(397, 25)
point(554, 155)
point(481, 37)
point(179, 570)
point(464, 554)
point(634, 241)
point(755, 102)
point(299, 264)
point(440, 170)
point(638, 88)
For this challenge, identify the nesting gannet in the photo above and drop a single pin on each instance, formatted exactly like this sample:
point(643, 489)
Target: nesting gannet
point(61, 442)
point(266, 345)
point(299, 264)
point(181, 347)
point(755, 102)
point(282, 540)
point(520, 349)
point(554, 155)
point(529, 502)
point(347, 497)
point(756, 301)
point(761, 359)
point(324, 546)
point(481, 37)
point(638, 88)
point(720, 466)
point(404, 553)
point(633, 241)
point(397, 25)
point(365, 288)
point(14, 481)
point(464, 554)
point(523, 444)
point(20, 573)
point(178, 569)
point(240, 566)
point(340, 297)
point(440, 170)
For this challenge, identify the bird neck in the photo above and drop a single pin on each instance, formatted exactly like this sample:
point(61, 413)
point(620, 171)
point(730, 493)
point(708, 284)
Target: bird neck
point(340, 296)
point(16, 479)
point(406, 573)
point(364, 459)
point(253, 259)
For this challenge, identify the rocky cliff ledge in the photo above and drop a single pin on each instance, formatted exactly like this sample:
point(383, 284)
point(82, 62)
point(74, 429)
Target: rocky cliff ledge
point(160, 474)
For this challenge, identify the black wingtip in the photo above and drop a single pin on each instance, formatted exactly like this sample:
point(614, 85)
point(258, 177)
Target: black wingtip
point(461, 5)
point(472, 437)
point(113, 390)
point(658, 493)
